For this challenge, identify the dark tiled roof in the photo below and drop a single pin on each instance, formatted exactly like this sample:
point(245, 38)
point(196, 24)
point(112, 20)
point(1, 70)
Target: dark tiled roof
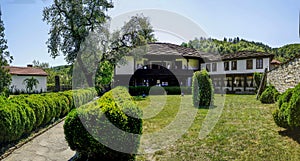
point(176, 50)
point(245, 54)
point(30, 71)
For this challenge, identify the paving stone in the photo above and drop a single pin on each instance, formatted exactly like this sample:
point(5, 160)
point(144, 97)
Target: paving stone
point(49, 146)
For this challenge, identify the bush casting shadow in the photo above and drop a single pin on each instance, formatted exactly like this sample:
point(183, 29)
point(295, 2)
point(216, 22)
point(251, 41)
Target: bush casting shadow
point(293, 134)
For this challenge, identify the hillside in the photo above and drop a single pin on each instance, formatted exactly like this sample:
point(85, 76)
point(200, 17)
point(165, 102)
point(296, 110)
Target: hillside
point(227, 46)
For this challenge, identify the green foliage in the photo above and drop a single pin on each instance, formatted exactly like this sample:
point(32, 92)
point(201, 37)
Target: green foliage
point(285, 97)
point(202, 89)
point(228, 46)
point(71, 22)
point(11, 124)
point(257, 78)
point(225, 47)
point(288, 111)
point(5, 58)
point(287, 52)
point(64, 72)
point(22, 114)
point(77, 27)
point(34, 102)
point(30, 83)
point(28, 118)
point(104, 76)
point(294, 108)
point(114, 107)
point(269, 95)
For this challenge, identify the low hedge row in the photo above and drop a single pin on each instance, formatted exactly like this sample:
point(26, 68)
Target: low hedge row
point(22, 114)
point(288, 111)
point(105, 122)
point(170, 90)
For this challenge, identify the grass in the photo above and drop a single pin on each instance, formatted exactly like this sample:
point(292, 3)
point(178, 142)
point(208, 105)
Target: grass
point(244, 130)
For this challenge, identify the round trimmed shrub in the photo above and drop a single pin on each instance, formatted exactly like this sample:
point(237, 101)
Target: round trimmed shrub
point(26, 113)
point(114, 108)
point(65, 105)
point(288, 111)
point(69, 96)
point(294, 108)
point(269, 95)
point(9, 116)
point(285, 97)
point(50, 111)
point(37, 106)
point(202, 89)
point(280, 116)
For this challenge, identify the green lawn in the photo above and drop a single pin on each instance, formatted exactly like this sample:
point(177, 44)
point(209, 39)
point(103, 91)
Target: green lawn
point(245, 130)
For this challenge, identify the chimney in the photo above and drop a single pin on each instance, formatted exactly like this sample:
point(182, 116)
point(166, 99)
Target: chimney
point(29, 65)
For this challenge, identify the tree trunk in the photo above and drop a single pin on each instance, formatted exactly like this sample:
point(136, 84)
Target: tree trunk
point(88, 76)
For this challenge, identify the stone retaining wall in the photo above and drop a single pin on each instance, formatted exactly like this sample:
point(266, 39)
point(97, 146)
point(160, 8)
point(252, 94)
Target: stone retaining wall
point(285, 76)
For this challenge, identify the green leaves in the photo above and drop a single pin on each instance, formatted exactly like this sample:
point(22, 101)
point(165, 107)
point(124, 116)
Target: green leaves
point(30, 83)
point(105, 122)
point(5, 58)
point(71, 22)
point(104, 76)
point(288, 111)
point(22, 114)
point(202, 89)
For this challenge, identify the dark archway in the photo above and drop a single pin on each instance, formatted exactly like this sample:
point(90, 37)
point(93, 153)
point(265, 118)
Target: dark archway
point(154, 75)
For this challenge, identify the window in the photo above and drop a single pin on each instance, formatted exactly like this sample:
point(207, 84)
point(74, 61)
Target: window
point(249, 64)
point(214, 67)
point(208, 67)
point(259, 63)
point(233, 65)
point(226, 65)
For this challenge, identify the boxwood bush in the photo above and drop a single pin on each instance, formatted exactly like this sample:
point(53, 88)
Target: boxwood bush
point(27, 115)
point(288, 111)
point(11, 124)
point(114, 109)
point(202, 89)
point(22, 114)
point(269, 95)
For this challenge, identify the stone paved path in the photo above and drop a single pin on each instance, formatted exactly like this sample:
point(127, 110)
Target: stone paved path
point(49, 146)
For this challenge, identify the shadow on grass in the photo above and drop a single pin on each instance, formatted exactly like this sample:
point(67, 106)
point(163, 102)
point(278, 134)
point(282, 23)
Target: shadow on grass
point(206, 107)
point(293, 134)
point(139, 98)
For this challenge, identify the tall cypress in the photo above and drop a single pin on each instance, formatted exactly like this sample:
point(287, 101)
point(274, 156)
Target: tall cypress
point(5, 59)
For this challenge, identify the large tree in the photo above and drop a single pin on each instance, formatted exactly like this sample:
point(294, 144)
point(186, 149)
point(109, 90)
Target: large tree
point(5, 58)
point(71, 22)
point(102, 46)
point(78, 30)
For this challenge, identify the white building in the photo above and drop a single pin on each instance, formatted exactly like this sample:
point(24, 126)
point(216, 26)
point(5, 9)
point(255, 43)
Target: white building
point(235, 71)
point(19, 74)
point(168, 64)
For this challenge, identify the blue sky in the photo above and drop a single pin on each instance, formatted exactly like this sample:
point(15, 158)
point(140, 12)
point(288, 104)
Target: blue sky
point(273, 22)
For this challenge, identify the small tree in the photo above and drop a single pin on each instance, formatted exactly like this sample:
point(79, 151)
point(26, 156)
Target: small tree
point(202, 89)
point(5, 58)
point(30, 83)
point(104, 76)
point(257, 78)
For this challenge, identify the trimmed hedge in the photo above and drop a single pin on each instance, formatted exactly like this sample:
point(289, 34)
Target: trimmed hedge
point(97, 119)
point(288, 111)
point(202, 89)
point(269, 95)
point(22, 114)
point(171, 90)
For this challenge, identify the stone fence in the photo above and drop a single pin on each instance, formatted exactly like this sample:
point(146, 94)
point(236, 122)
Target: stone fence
point(286, 75)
